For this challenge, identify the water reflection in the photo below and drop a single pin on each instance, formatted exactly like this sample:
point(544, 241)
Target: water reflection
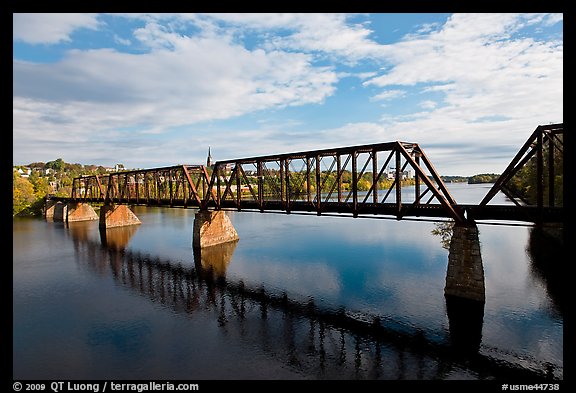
point(117, 238)
point(547, 262)
point(466, 318)
point(214, 260)
point(318, 342)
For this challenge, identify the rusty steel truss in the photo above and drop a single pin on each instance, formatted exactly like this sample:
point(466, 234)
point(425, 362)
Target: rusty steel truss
point(537, 192)
point(545, 140)
point(390, 179)
point(367, 179)
point(180, 185)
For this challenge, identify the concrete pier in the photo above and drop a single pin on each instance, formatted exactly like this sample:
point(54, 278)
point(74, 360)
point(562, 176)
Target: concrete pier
point(80, 212)
point(55, 211)
point(211, 228)
point(112, 216)
point(465, 273)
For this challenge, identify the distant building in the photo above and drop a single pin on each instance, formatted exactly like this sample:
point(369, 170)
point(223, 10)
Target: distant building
point(209, 159)
point(407, 174)
point(24, 172)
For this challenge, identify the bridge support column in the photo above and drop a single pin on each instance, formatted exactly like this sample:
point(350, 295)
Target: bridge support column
point(211, 228)
point(77, 211)
point(465, 273)
point(112, 216)
point(54, 210)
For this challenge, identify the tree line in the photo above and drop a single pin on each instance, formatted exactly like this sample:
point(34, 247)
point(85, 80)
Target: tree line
point(52, 177)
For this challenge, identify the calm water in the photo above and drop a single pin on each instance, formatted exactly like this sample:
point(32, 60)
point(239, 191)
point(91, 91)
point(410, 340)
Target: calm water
point(296, 298)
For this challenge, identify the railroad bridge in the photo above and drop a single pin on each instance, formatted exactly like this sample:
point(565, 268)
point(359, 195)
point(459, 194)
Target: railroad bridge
point(395, 179)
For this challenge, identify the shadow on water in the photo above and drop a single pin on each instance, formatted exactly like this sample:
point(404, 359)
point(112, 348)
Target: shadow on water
point(318, 342)
point(548, 262)
point(466, 319)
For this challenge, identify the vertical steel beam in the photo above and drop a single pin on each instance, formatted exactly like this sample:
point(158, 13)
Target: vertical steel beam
point(318, 186)
point(539, 172)
point(282, 185)
point(137, 185)
point(398, 185)
point(339, 177)
point(374, 176)
point(308, 194)
point(260, 185)
point(238, 186)
point(417, 180)
point(218, 192)
point(551, 173)
point(287, 182)
point(100, 187)
point(354, 184)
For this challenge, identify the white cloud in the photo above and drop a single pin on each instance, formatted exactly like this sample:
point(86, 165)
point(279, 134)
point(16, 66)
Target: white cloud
point(388, 95)
point(485, 73)
point(472, 67)
point(50, 28)
point(91, 92)
point(428, 104)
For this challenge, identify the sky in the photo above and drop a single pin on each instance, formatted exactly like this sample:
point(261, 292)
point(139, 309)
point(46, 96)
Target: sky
point(152, 90)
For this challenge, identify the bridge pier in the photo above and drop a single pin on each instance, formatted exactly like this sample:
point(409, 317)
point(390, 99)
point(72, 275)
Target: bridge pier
point(112, 216)
point(76, 211)
point(465, 273)
point(55, 211)
point(211, 228)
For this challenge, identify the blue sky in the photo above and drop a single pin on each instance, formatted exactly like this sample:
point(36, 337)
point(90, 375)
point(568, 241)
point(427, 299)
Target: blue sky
point(150, 90)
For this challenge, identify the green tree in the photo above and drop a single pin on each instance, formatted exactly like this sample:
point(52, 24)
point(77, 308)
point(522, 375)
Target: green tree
point(524, 182)
point(22, 194)
point(57, 165)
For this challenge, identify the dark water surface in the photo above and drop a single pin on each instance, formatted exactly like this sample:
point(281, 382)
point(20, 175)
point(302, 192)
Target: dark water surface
point(297, 297)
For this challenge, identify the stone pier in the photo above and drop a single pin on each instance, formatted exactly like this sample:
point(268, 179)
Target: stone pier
point(55, 211)
point(211, 228)
point(77, 211)
point(112, 216)
point(465, 273)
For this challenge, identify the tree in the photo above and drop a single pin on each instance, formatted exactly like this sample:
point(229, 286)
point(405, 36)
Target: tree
point(22, 194)
point(57, 165)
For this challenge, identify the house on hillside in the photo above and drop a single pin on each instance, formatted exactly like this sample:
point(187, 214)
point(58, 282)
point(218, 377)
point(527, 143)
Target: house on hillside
point(24, 172)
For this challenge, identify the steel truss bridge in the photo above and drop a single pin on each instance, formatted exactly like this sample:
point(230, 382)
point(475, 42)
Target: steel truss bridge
point(357, 180)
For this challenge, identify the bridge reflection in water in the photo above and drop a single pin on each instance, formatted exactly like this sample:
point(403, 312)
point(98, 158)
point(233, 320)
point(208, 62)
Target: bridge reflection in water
point(317, 341)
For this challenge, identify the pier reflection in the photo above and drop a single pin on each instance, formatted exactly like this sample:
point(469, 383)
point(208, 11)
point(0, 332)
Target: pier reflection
point(212, 262)
point(318, 342)
point(117, 238)
point(548, 262)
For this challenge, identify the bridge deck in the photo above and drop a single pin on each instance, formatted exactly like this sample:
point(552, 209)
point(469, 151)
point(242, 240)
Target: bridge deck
point(472, 212)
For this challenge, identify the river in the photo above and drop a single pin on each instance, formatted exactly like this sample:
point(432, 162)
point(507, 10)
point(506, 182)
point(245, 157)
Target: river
point(297, 297)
